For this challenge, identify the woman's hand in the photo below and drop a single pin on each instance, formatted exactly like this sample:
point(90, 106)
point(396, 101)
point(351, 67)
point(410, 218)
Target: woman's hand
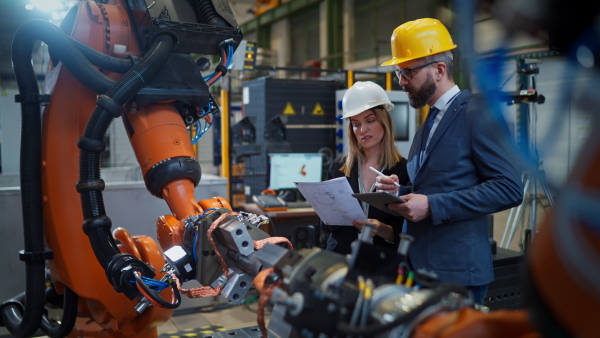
point(377, 228)
point(387, 184)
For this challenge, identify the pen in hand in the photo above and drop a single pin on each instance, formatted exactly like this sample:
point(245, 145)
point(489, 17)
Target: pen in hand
point(381, 174)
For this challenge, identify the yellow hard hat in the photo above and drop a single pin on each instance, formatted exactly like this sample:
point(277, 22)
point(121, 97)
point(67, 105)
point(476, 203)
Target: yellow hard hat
point(417, 39)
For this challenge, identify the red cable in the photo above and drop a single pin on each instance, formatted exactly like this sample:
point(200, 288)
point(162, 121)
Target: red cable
point(265, 295)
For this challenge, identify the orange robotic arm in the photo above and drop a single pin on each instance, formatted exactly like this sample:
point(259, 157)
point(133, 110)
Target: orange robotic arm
point(107, 59)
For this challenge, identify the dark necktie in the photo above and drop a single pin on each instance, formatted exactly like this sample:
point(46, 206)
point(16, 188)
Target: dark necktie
point(427, 126)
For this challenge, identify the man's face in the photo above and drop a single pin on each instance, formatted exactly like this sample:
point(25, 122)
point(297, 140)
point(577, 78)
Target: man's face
point(417, 82)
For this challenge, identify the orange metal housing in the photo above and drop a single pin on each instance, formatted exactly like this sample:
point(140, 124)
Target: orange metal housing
point(571, 298)
point(170, 230)
point(103, 312)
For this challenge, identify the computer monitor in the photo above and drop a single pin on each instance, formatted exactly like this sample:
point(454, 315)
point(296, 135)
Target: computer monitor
point(287, 168)
point(400, 118)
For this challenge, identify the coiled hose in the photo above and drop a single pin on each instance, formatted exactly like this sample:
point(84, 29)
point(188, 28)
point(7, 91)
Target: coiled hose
point(110, 105)
point(207, 14)
point(23, 320)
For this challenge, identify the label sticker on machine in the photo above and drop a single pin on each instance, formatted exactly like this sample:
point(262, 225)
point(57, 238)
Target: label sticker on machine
point(289, 110)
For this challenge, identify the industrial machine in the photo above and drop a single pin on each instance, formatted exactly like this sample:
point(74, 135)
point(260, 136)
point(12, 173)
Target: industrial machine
point(132, 59)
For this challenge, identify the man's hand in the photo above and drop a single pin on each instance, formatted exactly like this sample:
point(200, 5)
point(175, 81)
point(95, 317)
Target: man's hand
point(415, 209)
point(386, 183)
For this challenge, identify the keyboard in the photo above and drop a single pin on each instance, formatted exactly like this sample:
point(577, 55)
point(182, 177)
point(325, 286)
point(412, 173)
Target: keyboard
point(298, 204)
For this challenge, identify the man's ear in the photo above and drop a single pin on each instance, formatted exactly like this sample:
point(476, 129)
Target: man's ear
point(440, 70)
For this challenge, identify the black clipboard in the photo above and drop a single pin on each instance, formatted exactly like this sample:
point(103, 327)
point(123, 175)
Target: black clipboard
point(380, 200)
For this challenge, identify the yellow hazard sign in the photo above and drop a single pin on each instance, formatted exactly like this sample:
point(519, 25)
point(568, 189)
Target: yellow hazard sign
point(289, 110)
point(318, 110)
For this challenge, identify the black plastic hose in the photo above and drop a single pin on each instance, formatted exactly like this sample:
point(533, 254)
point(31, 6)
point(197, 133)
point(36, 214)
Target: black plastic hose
point(104, 61)
point(207, 14)
point(19, 322)
point(97, 225)
point(69, 317)
point(24, 320)
point(61, 46)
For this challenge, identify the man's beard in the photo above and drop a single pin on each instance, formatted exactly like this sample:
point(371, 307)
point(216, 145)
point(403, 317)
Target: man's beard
point(419, 98)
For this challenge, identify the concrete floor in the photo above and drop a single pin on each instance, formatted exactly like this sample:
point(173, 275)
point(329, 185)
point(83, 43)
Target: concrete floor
point(210, 321)
point(226, 317)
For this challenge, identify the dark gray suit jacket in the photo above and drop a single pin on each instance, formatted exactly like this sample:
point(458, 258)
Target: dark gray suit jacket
point(469, 172)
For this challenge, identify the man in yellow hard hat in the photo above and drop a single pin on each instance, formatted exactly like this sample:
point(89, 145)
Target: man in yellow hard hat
point(460, 166)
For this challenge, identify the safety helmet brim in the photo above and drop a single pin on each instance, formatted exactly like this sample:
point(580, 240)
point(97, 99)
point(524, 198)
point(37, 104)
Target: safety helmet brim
point(394, 61)
point(362, 96)
point(386, 106)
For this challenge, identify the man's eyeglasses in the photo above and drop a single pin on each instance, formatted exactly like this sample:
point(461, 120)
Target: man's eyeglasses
point(407, 73)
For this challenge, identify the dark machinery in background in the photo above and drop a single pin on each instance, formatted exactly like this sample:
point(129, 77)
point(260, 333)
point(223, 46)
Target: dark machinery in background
point(290, 115)
point(243, 139)
point(122, 59)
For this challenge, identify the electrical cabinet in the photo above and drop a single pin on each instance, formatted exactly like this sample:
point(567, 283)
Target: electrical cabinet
point(289, 116)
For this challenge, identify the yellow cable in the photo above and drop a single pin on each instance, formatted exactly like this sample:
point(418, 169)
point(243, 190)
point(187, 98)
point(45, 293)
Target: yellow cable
point(368, 289)
point(400, 277)
point(410, 279)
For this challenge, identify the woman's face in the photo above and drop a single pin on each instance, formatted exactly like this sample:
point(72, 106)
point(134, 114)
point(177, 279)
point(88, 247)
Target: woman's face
point(367, 129)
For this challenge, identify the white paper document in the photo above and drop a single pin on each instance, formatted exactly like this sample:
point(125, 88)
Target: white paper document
point(333, 201)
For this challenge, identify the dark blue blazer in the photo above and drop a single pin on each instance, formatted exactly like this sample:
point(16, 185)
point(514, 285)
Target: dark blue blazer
point(469, 172)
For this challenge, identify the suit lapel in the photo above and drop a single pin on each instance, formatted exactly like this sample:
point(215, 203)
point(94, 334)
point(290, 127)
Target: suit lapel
point(412, 164)
point(451, 113)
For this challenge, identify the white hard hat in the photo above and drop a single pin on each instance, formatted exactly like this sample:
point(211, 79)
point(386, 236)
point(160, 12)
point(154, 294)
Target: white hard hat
point(364, 95)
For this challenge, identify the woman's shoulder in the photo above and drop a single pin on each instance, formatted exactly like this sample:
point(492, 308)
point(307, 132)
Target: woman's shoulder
point(400, 165)
point(338, 162)
point(336, 166)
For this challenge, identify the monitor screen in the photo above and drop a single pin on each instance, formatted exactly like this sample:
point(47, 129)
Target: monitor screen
point(400, 118)
point(287, 168)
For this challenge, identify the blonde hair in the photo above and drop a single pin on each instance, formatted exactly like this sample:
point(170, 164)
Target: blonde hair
point(388, 153)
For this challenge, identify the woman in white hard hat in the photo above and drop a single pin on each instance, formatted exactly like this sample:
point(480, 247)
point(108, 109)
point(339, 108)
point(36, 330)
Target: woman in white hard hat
point(371, 144)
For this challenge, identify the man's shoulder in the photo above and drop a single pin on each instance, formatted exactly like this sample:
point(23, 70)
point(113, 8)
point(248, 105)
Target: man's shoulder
point(471, 101)
point(465, 95)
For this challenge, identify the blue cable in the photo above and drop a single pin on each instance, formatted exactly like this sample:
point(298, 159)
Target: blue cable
point(229, 56)
point(488, 73)
point(155, 285)
point(197, 136)
point(227, 65)
point(200, 133)
point(194, 248)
